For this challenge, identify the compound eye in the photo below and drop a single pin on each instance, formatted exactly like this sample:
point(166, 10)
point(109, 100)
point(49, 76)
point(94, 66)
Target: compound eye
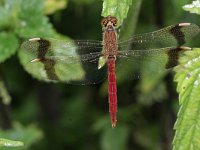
point(114, 21)
point(104, 22)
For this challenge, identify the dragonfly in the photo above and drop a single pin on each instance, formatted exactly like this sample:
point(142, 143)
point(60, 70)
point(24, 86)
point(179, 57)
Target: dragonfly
point(90, 61)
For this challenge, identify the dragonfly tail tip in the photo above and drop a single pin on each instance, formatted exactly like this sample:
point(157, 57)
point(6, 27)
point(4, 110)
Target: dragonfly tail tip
point(113, 125)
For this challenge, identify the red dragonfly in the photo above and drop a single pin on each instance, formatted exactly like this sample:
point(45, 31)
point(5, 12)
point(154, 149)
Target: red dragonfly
point(87, 61)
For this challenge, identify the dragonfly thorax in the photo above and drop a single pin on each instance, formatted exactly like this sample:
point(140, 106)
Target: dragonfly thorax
point(110, 42)
point(110, 36)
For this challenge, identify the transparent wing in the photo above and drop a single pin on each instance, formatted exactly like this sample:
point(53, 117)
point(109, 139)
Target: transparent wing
point(171, 36)
point(74, 62)
point(39, 47)
point(153, 60)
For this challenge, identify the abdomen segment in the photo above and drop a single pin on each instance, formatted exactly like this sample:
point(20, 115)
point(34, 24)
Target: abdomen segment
point(112, 91)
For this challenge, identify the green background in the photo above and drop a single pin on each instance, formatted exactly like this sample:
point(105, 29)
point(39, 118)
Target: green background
point(62, 116)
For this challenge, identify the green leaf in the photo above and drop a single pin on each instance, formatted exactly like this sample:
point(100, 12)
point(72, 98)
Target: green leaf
point(187, 125)
point(19, 12)
point(63, 70)
point(27, 135)
point(37, 25)
point(8, 45)
point(117, 8)
point(193, 8)
point(129, 26)
point(10, 143)
point(8, 13)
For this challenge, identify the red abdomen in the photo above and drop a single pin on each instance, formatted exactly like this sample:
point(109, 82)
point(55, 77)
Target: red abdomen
point(112, 91)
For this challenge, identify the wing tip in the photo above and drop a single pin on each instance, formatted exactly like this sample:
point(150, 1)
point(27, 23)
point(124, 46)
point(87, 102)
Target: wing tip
point(184, 24)
point(34, 39)
point(35, 60)
point(185, 48)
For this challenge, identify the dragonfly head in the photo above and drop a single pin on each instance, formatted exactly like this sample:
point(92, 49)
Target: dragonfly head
point(109, 21)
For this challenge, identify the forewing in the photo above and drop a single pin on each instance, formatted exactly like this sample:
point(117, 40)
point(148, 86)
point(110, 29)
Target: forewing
point(74, 62)
point(171, 36)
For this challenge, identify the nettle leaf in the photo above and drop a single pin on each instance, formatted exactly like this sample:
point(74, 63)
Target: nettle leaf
point(117, 8)
point(10, 143)
point(8, 13)
point(19, 12)
point(64, 69)
point(8, 45)
point(37, 25)
point(187, 125)
point(193, 8)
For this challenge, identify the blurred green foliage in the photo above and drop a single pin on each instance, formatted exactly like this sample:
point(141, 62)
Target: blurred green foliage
point(26, 134)
point(54, 5)
point(10, 143)
point(60, 116)
point(194, 7)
